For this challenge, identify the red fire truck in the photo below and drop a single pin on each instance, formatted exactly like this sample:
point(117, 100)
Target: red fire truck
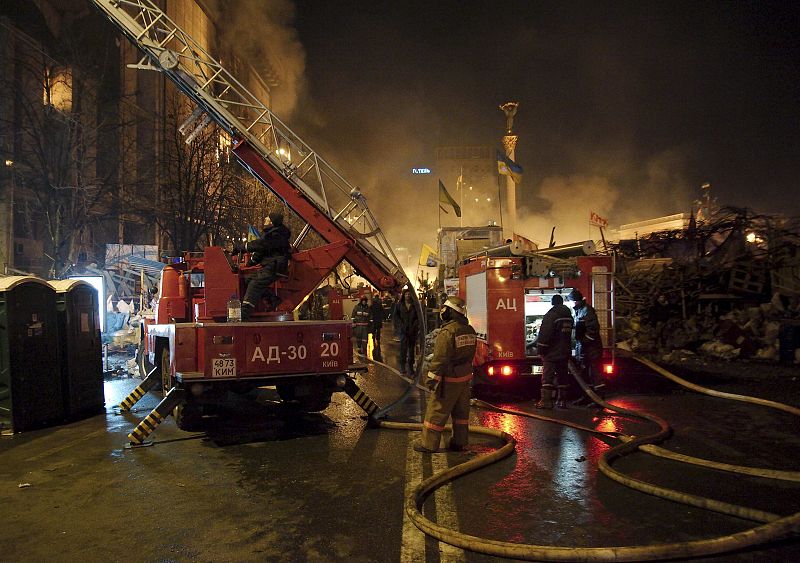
point(508, 291)
point(197, 356)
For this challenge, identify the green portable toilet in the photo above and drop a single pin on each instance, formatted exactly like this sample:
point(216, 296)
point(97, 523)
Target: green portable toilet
point(81, 351)
point(30, 378)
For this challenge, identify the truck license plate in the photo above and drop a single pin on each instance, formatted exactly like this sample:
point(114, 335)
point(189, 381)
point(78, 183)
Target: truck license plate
point(223, 367)
point(537, 370)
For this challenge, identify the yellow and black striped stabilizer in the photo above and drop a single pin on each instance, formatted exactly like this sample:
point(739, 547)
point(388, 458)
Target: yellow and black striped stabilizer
point(141, 389)
point(149, 423)
point(361, 398)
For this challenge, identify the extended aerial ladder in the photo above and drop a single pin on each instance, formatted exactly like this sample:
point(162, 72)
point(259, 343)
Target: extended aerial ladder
point(272, 153)
point(262, 143)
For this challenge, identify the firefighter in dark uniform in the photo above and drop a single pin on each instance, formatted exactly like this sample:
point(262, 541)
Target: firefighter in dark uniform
point(589, 346)
point(449, 377)
point(272, 251)
point(554, 344)
point(375, 326)
point(361, 324)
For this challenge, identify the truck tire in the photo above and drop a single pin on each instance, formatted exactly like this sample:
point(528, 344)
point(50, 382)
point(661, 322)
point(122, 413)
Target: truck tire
point(166, 376)
point(141, 362)
point(316, 401)
point(188, 417)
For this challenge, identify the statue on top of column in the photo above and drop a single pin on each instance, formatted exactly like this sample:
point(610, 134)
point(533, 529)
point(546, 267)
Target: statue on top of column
point(510, 109)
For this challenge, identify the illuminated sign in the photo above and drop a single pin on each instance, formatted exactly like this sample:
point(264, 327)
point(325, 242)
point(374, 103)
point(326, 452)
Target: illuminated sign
point(420, 170)
point(596, 220)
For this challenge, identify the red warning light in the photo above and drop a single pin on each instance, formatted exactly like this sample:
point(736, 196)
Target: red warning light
point(608, 369)
point(504, 370)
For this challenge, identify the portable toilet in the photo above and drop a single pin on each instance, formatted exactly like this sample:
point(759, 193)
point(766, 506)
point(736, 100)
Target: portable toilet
point(81, 350)
point(30, 376)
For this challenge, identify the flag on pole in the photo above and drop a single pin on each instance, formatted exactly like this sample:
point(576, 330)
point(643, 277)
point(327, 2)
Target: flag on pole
point(445, 197)
point(428, 257)
point(508, 167)
point(252, 233)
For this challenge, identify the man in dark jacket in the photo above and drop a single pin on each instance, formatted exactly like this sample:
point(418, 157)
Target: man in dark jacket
point(589, 346)
point(272, 251)
point(361, 324)
point(449, 377)
point(407, 322)
point(375, 326)
point(554, 344)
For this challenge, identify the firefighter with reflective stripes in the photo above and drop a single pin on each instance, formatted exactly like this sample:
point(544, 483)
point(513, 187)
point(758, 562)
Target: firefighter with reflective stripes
point(361, 324)
point(554, 345)
point(449, 377)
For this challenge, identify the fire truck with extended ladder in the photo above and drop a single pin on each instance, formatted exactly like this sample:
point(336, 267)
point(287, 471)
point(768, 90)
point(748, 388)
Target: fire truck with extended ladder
point(508, 290)
point(198, 357)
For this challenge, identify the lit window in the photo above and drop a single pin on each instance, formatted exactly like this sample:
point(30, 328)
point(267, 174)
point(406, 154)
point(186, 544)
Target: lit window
point(57, 91)
point(224, 147)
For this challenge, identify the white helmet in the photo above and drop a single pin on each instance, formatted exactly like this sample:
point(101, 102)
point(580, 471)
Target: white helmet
point(456, 304)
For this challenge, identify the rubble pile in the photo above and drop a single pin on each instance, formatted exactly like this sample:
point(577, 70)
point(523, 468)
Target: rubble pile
point(728, 288)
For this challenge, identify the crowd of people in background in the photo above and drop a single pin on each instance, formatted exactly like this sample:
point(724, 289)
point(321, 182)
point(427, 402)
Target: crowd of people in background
point(368, 317)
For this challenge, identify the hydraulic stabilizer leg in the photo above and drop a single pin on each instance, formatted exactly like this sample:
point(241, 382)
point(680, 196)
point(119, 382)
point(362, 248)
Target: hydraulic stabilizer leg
point(146, 384)
point(149, 423)
point(361, 398)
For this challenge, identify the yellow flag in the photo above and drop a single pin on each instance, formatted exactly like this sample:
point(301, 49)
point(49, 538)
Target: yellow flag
point(428, 257)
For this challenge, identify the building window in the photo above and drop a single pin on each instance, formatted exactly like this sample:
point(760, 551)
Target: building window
point(57, 90)
point(224, 148)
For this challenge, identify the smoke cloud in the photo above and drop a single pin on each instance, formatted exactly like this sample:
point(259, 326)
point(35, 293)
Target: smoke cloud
point(264, 34)
point(623, 112)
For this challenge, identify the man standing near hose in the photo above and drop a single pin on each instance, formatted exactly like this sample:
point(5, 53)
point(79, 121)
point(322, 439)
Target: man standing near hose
point(375, 326)
point(554, 344)
point(408, 323)
point(361, 325)
point(449, 376)
point(589, 346)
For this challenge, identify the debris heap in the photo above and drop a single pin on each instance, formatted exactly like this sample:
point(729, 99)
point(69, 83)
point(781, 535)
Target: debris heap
point(728, 288)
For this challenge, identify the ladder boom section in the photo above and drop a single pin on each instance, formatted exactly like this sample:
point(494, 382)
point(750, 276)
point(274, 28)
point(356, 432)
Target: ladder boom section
point(367, 260)
point(267, 146)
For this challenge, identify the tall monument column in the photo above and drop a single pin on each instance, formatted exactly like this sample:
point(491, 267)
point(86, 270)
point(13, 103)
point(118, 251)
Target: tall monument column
point(510, 144)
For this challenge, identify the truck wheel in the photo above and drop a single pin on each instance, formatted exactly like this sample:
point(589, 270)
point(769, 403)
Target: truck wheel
point(141, 363)
point(315, 403)
point(188, 417)
point(166, 377)
point(317, 400)
point(141, 358)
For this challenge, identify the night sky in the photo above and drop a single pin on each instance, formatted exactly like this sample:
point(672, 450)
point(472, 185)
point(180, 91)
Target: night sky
point(626, 108)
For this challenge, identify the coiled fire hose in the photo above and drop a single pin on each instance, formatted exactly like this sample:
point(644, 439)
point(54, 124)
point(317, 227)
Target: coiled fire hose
point(773, 527)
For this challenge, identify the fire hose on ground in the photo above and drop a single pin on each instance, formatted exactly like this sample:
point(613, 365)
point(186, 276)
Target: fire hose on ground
point(772, 527)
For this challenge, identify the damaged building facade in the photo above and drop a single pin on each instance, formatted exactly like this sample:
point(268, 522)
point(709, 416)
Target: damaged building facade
point(91, 154)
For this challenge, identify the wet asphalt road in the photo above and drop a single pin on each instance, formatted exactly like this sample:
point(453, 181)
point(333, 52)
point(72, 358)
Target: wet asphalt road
point(265, 484)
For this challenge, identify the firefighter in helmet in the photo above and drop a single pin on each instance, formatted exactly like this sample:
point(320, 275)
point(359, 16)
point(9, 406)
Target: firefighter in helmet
point(589, 345)
point(272, 251)
point(361, 322)
point(554, 345)
point(449, 377)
